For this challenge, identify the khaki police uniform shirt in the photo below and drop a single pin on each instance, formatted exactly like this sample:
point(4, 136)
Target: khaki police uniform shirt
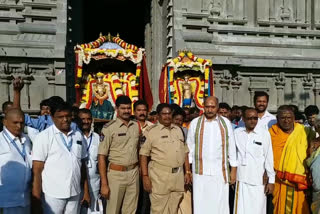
point(165, 145)
point(120, 142)
point(146, 125)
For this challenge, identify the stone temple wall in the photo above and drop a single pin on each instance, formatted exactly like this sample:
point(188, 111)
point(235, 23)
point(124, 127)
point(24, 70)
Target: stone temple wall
point(32, 45)
point(270, 45)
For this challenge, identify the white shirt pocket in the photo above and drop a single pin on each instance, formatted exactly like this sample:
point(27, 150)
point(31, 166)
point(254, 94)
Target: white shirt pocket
point(77, 149)
point(257, 149)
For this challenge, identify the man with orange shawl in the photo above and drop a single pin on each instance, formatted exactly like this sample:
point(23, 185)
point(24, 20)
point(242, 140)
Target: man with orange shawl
point(290, 143)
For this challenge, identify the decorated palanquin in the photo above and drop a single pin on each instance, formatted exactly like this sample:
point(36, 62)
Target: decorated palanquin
point(186, 80)
point(106, 69)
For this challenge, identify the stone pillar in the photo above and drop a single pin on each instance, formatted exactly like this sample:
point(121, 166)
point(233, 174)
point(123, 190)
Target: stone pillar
point(27, 83)
point(235, 84)
point(5, 81)
point(316, 91)
point(280, 83)
point(300, 6)
point(294, 99)
point(225, 87)
point(316, 11)
point(224, 84)
point(272, 10)
point(251, 96)
point(263, 10)
point(170, 29)
point(307, 86)
point(51, 86)
point(229, 8)
point(217, 87)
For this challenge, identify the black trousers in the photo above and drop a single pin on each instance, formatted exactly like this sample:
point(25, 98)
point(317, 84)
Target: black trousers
point(143, 201)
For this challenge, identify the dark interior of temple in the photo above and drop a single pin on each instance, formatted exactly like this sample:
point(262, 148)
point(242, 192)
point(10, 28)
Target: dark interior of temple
point(87, 19)
point(124, 17)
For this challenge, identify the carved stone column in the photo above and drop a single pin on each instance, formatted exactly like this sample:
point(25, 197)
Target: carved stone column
point(294, 99)
point(27, 83)
point(170, 29)
point(280, 83)
point(316, 91)
point(217, 87)
point(51, 82)
point(307, 86)
point(225, 87)
point(235, 84)
point(272, 10)
point(225, 84)
point(5, 80)
point(251, 91)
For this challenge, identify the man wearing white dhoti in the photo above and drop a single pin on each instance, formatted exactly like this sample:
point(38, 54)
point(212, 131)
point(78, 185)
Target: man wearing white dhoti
point(255, 156)
point(212, 152)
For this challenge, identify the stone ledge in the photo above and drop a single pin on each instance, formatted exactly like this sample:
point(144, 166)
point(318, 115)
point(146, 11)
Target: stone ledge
point(38, 28)
point(261, 30)
point(40, 5)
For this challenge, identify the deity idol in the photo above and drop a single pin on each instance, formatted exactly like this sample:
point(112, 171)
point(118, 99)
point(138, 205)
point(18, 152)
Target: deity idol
point(101, 107)
point(186, 91)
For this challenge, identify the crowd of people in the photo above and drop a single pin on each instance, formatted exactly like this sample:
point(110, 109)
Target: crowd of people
point(241, 160)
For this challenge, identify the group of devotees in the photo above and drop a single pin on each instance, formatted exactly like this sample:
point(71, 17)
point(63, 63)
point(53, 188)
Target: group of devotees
point(67, 167)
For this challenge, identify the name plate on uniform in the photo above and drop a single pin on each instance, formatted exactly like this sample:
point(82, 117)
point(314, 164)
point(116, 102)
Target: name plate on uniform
point(79, 142)
point(166, 136)
point(122, 134)
point(258, 143)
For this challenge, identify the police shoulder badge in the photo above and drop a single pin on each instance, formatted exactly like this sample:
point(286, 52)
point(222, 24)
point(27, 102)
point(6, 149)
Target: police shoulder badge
point(101, 137)
point(142, 139)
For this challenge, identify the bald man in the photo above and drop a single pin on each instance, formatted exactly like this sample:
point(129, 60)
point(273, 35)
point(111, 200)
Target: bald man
point(212, 151)
point(15, 165)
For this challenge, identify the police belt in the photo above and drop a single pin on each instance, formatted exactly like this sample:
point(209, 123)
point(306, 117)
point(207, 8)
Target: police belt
point(121, 168)
point(166, 168)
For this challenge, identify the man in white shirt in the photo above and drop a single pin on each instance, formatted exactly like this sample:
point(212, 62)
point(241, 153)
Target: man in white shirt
point(93, 140)
point(212, 152)
point(59, 163)
point(255, 156)
point(15, 165)
point(265, 119)
point(261, 100)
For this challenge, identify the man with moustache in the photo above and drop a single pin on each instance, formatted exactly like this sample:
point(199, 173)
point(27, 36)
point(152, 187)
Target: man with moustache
point(255, 156)
point(119, 145)
point(265, 119)
point(15, 165)
point(93, 141)
point(212, 151)
point(261, 100)
point(168, 170)
point(141, 114)
point(59, 150)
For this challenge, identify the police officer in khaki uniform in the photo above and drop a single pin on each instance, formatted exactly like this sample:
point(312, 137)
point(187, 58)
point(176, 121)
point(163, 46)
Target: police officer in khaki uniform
point(119, 143)
point(168, 170)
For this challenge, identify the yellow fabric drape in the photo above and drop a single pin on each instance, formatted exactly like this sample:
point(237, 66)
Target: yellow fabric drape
point(290, 151)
